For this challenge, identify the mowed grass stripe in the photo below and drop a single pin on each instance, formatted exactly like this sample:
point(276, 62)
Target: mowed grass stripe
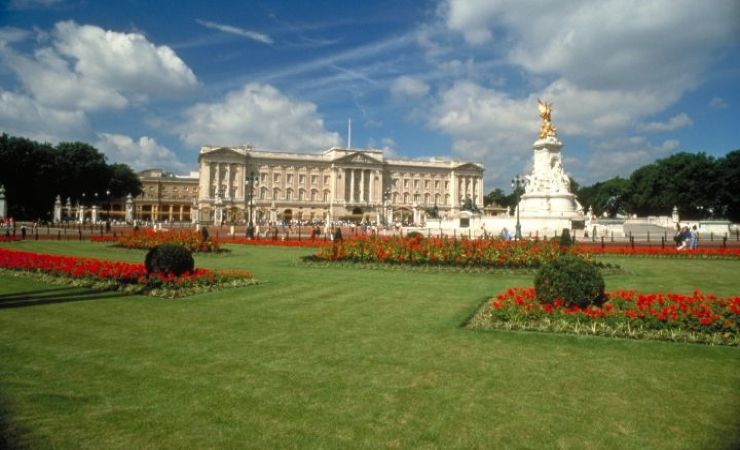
point(348, 358)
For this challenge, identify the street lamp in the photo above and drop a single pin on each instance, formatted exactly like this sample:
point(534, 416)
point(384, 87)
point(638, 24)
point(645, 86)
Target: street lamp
point(250, 181)
point(107, 194)
point(517, 183)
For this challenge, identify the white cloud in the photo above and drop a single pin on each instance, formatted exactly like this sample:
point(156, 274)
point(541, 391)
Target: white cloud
point(20, 115)
point(89, 68)
point(260, 115)
point(408, 87)
point(253, 35)
point(718, 103)
point(605, 65)
point(674, 123)
point(140, 154)
point(621, 156)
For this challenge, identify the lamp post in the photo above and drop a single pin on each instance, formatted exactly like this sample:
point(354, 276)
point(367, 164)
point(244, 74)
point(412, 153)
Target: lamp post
point(517, 183)
point(250, 181)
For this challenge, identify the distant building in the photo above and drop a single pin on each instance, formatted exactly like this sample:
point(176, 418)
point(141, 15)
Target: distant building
point(337, 184)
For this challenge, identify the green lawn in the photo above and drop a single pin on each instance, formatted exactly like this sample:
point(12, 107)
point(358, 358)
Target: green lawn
point(344, 358)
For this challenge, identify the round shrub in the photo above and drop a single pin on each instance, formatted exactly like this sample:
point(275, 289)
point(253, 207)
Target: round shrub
point(571, 279)
point(169, 258)
point(414, 235)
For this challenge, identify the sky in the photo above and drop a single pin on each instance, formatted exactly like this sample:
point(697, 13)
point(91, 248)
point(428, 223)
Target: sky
point(149, 82)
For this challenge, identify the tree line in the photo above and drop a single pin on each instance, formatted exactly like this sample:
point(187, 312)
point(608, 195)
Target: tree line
point(34, 173)
point(700, 186)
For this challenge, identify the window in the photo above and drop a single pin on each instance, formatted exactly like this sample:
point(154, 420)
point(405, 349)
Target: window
point(301, 179)
point(276, 178)
point(416, 184)
point(436, 184)
point(263, 177)
point(301, 194)
point(447, 185)
point(314, 194)
point(275, 194)
point(314, 179)
point(405, 184)
point(263, 194)
point(395, 183)
point(289, 195)
point(326, 196)
point(426, 184)
point(326, 179)
point(290, 178)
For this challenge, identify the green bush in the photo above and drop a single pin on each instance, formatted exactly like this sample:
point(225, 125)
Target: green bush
point(571, 279)
point(565, 239)
point(169, 258)
point(414, 235)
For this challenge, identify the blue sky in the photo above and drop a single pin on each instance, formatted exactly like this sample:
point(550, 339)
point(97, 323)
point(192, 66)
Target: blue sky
point(149, 82)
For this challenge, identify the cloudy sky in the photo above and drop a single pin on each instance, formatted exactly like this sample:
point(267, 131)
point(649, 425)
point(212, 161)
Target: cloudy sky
point(148, 82)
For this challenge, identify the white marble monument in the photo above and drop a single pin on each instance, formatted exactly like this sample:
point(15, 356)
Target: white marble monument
point(547, 204)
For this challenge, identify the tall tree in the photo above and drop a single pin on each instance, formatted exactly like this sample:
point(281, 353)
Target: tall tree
point(605, 196)
point(123, 181)
point(726, 188)
point(685, 180)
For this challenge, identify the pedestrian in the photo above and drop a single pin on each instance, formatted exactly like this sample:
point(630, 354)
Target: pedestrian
point(693, 238)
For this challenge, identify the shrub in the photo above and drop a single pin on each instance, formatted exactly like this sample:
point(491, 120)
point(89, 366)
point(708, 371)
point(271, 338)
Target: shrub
point(565, 239)
point(571, 279)
point(169, 258)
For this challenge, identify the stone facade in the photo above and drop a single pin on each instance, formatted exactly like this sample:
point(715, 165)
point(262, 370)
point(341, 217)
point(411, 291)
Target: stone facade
point(337, 184)
point(165, 198)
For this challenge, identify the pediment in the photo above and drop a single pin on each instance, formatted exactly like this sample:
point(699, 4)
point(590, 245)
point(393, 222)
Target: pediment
point(470, 166)
point(358, 158)
point(221, 154)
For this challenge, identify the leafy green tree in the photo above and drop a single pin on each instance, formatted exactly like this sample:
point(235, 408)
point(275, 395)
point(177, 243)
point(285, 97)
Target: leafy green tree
point(727, 200)
point(685, 180)
point(27, 169)
point(605, 196)
point(123, 181)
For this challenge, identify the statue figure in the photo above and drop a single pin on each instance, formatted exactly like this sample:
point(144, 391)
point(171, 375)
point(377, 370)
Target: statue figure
point(546, 129)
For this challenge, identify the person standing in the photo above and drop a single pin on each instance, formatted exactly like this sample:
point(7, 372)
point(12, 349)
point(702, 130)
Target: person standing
point(693, 238)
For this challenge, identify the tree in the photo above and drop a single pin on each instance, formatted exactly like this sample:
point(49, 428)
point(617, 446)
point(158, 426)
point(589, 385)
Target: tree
point(123, 181)
point(727, 204)
point(685, 180)
point(34, 174)
point(606, 196)
point(82, 170)
point(27, 168)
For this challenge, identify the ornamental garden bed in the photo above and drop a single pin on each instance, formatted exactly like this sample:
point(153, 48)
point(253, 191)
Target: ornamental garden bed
point(119, 276)
point(695, 318)
point(144, 239)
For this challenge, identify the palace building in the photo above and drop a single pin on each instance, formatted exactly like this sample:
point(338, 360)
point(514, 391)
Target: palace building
point(337, 184)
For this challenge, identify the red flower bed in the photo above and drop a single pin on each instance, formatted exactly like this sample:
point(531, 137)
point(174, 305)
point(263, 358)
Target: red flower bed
point(670, 251)
point(103, 239)
point(117, 273)
point(441, 251)
point(147, 238)
point(692, 318)
point(281, 243)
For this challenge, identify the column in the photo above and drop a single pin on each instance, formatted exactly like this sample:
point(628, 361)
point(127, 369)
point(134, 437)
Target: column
point(351, 185)
point(227, 193)
point(362, 185)
point(181, 208)
point(453, 187)
point(218, 179)
point(170, 213)
point(371, 193)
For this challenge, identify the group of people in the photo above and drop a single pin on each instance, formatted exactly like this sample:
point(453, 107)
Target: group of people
point(686, 238)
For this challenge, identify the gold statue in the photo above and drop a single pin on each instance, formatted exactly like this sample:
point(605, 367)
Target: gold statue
point(546, 129)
